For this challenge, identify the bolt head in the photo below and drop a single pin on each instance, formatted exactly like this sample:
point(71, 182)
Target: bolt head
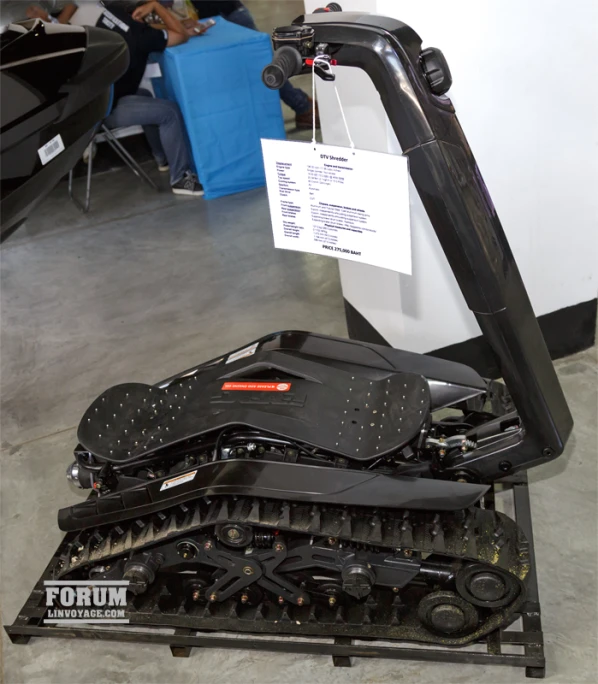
point(300, 601)
point(331, 541)
point(279, 547)
point(332, 601)
point(196, 595)
point(244, 598)
point(248, 570)
point(233, 533)
point(213, 597)
point(280, 599)
point(208, 545)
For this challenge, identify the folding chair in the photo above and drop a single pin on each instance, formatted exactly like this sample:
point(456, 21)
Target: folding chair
point(111, 136)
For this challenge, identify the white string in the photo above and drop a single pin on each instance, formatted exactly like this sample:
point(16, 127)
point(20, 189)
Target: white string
point(323, 60)
point(313, 100)
point(338, 97)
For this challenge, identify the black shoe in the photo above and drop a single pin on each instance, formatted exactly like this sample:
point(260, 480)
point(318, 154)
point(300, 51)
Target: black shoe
point(188, 185)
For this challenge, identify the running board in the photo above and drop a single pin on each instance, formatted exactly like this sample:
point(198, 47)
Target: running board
point(273, 480)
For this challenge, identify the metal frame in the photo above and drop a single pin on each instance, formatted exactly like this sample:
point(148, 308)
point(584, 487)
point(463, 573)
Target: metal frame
point(111, 137)
point(193, 631)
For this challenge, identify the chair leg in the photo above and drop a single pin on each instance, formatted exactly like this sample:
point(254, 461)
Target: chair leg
point(126, 157)
point(84, 208)
point(89, 171)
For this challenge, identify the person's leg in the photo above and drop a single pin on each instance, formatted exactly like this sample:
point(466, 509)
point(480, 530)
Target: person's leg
point(152, 133)
point(143, 111)
point(294, 98)
point(242, 17)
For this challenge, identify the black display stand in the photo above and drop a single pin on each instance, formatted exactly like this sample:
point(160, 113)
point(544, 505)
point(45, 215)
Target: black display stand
point(149, 622)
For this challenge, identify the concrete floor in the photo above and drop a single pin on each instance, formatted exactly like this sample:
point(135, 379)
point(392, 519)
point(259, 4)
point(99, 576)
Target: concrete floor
point(148, 284)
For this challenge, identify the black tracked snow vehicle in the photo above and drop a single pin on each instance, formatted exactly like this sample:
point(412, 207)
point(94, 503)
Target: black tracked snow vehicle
point(324, 476)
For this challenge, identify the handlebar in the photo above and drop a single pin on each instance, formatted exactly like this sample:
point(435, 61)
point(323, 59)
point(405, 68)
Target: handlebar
point(294, 43)
point(287, 62)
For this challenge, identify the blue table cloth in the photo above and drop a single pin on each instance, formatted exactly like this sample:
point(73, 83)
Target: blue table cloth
point(216, 80)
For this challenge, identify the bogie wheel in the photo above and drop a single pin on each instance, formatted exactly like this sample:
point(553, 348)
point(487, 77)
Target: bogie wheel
point(195, 590)
point(251, 596)
point(443, 612)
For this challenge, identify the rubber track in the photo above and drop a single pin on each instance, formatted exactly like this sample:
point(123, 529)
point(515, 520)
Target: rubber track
point(475, 535)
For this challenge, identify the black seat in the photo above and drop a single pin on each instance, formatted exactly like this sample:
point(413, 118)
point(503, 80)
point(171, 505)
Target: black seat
point(310, 402)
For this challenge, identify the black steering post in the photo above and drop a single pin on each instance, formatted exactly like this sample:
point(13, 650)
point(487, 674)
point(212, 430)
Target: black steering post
point(412, 83)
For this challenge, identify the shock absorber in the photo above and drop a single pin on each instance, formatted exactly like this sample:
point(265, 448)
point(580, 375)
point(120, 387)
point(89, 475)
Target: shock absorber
point(263, 540)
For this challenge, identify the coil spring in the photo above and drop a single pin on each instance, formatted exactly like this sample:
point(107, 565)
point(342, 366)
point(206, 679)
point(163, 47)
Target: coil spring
point(263, 540)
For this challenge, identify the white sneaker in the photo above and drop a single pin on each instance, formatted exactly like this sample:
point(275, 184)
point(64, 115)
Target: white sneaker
point(90, 151)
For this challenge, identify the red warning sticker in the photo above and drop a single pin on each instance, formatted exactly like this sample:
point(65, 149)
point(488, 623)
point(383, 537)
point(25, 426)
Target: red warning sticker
point(256, 386)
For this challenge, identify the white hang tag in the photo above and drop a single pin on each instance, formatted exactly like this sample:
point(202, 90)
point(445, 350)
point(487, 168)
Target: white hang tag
point(339, 202)
point(51, 149)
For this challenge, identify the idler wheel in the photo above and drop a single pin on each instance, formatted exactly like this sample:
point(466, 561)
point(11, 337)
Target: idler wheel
point(443, 612)
point(234, 535)
point(358, 580)
point(486, 587)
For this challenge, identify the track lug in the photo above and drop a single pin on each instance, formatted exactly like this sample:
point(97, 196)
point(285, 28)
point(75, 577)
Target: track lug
point(375, 536)
point(222, 513)
point(406, 531)
point(315, 522)
point(339, 618)
point(238, 509)
point(284, 518)
point(254, 513)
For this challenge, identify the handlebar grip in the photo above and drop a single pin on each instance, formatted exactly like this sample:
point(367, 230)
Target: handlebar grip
point(287, 62)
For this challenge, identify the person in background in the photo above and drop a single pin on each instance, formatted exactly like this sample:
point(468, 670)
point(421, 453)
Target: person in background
point(161, 119)
point(51, 10)
point(236, 12)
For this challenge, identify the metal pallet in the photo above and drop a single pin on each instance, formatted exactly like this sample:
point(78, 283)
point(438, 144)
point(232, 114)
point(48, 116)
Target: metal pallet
point(151, 622)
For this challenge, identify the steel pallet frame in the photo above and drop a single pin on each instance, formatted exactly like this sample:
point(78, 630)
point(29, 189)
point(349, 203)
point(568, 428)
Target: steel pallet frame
point(186, 632)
